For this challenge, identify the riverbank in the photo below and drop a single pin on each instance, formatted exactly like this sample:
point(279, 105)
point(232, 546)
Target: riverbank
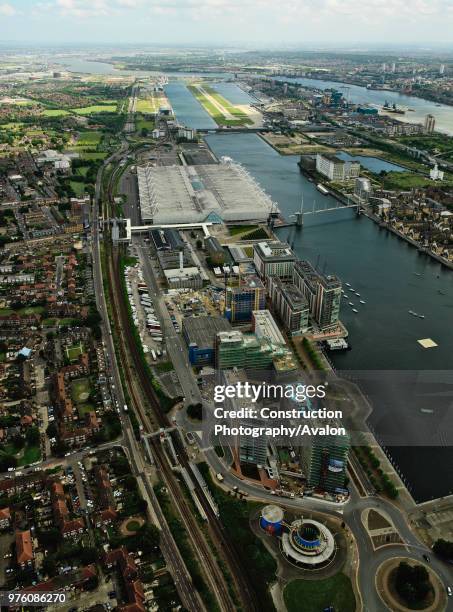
point(447, 264)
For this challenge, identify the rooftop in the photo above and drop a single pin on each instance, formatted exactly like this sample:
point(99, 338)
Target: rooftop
point(202, 330)
point(172, 194)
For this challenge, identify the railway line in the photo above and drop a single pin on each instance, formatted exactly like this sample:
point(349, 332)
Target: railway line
point(150, 421)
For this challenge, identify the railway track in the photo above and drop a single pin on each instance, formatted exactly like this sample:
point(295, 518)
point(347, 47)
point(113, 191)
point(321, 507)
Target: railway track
point(244, 586)
point(150, 424)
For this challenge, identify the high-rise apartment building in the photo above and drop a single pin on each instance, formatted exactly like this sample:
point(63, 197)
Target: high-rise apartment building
point(290, 304)
point(323, 294)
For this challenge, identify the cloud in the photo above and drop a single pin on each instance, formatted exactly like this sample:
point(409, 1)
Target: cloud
point(7, 10)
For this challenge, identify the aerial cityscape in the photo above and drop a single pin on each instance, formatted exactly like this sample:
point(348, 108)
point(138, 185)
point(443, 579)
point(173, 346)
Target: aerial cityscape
point(226, 311)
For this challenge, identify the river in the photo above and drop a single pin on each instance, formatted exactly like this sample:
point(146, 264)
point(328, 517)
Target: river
point(361, 95)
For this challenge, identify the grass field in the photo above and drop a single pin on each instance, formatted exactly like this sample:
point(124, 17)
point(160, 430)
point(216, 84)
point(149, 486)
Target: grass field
point(80, 390)
point(148, 105)
point(144, 123)
point(318, 595)
point(133, 525)
point(241, 229)
point(54, 112)
point(409, 180)
point(88, 139)
point(81, 171)
point(93, 154)
point(73, 352)
point(227, 105)
point(31, 454)
point(240, 117)
point(83, 409)
point(96, 108)
point(78, 188)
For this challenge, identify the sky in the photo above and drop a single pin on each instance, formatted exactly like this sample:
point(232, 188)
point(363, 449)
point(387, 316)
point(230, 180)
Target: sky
point(227, 22)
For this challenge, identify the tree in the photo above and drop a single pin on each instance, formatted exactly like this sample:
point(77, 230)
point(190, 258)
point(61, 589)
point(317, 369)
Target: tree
point(150, 537)
point(412, 582)
point(195, 411)
point(444, 549)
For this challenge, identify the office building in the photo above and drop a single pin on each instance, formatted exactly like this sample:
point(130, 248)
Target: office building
point(290, 304)
point(336, 169)
point(430, 123)
point(323, 294)
point(273, 258)
point(237, 350)
point(241, 300)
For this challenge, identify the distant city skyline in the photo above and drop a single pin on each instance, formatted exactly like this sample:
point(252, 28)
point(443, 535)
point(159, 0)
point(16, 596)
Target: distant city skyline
point(227, 21)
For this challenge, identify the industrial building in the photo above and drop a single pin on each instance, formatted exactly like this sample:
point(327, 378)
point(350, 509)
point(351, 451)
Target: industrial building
point(241, 300)
point(323, 294)
point(273, 258)
point(166, 240)
point(199, 334)
point(175, 260)
point(215, 250)
point(336, 169)
point(290, 304)
point(208, 192)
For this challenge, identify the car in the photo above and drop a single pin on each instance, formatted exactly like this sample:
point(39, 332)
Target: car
point(426, 558)
point(449, 591)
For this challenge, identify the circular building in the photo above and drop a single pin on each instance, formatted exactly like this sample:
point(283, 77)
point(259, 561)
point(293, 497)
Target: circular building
point(308, 544)
point(271, 519)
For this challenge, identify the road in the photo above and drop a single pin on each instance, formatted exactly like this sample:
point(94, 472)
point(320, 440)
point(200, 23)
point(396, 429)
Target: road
point(175, 563)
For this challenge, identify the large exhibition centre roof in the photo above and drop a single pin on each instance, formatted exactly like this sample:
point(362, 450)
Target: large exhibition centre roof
point(191, 194)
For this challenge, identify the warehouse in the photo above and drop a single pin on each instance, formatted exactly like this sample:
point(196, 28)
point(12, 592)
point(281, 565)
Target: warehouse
point(209, 192)
point(200, 333)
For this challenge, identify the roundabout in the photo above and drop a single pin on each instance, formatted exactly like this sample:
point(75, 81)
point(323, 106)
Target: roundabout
point(435, 601)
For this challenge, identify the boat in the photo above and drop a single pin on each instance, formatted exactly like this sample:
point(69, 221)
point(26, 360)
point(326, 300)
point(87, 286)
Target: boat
point(362, 302)
point(347, 284)
point(355, 310)
point(417, 273)
point(416, 314)
point(337, 344)
point(352, 289)
point(322, 189)
point(392, 109)
point(357, 294)
point(351, 304)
